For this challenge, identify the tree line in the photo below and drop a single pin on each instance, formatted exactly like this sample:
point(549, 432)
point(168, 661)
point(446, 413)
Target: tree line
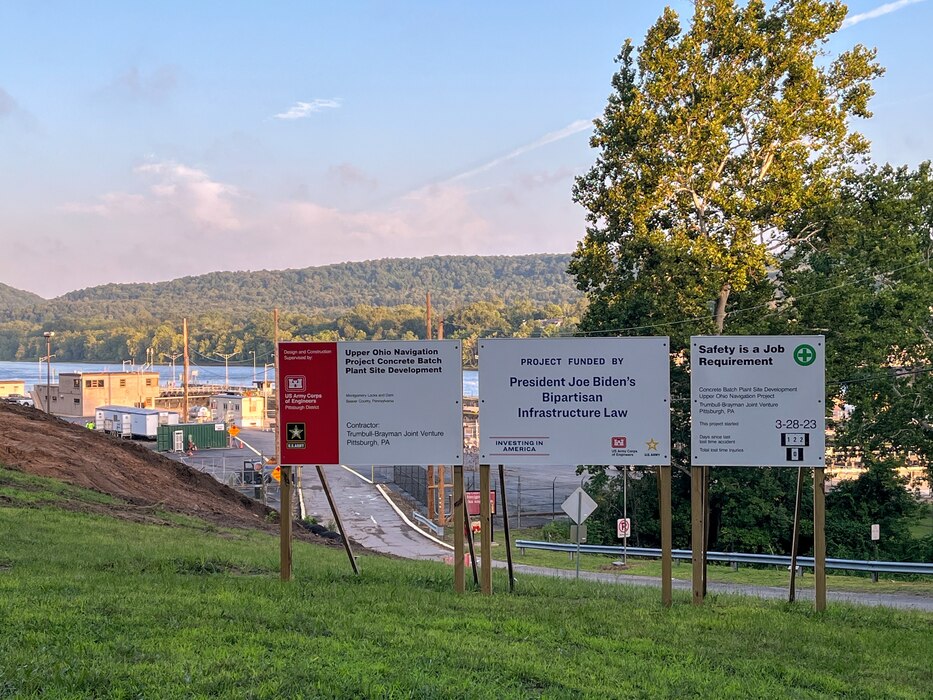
point(212, 333)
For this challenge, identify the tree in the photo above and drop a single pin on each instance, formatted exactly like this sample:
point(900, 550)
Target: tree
point(866, 280)
point(711, 140)
point(877, 497)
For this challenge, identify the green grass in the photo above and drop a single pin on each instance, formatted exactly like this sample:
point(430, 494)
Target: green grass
point(92, 606)
point(720, 573)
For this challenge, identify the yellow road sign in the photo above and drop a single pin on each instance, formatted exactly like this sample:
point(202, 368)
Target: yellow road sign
point(233, 430)
point(277, 473)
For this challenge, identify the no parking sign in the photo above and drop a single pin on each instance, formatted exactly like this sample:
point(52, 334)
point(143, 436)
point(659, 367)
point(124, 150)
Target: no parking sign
point(623, 528)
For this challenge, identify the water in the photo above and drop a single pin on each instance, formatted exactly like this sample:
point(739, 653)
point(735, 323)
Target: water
point(240, 375)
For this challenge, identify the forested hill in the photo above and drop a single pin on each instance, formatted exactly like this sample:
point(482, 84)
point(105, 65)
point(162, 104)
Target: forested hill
point(11, 297)
point(453, 281)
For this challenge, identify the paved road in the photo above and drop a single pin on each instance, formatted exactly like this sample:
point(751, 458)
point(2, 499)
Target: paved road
point(366, 514)
point(374, 524)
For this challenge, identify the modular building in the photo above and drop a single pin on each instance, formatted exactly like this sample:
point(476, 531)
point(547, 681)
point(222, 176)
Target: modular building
point(242, 410)
point(181, 437)
point(77, 393)
point(132, 422)
point(12, 387)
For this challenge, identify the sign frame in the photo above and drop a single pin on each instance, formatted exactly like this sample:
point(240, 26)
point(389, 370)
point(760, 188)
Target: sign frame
point(758, 401)
point(365, 403)
point(547, 401)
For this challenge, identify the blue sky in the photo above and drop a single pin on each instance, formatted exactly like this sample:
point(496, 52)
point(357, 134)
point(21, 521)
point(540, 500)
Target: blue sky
point(148, 141)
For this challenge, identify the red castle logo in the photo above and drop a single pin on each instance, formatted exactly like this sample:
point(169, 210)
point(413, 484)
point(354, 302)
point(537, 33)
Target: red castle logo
point(619, 443)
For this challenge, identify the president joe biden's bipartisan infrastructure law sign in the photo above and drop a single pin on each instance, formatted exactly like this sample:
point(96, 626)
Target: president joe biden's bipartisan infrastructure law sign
point(575, 401)
point(758, 401)
point(366, 403)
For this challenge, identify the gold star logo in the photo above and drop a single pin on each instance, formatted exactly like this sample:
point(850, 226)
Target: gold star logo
point(652, 444)
point(296, 432)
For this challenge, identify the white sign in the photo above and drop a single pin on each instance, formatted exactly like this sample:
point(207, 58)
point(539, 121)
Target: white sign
point(623, 528)
point(371, 403)
point(875, 532)
point(575, 401)
point(579, 506)
point(758, 401)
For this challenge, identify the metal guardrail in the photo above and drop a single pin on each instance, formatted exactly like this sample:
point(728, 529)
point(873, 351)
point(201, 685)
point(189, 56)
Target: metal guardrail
point(436, 529)
point(736, 558)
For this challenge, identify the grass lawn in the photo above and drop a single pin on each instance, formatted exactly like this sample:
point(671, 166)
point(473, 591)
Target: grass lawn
point(92, 606)
point(721, 573)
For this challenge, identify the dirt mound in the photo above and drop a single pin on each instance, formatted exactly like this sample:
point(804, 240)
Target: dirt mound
point(36, 443)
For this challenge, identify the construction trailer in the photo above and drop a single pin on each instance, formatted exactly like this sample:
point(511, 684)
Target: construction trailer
point(183, 436)
point(132, 422)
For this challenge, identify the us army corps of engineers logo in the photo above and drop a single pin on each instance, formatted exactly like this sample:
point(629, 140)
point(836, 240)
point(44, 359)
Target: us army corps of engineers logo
point(295, 436)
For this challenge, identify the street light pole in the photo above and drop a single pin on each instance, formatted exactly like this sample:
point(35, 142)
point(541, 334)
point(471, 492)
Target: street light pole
point(48, 335)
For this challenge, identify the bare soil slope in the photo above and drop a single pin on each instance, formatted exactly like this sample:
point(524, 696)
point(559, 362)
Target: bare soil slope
point(35, 443)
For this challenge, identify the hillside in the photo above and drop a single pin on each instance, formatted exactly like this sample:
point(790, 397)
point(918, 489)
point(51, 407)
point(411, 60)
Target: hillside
point(332, 289)
point(42, 445)
point(12, 298)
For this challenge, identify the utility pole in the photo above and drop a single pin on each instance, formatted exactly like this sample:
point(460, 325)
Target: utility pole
point(226, 357)
point(185, 415)
point(427, 324)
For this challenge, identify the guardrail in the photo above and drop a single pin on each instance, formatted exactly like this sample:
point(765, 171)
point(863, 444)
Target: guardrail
point(737, 558)
point(436, 529)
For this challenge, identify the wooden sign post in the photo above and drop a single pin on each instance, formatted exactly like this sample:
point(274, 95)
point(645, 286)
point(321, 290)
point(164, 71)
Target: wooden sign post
point(819, 537)
point(697, 530)
point(664, 484)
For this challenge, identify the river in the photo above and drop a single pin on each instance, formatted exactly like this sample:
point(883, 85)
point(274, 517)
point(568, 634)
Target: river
point(239, 375)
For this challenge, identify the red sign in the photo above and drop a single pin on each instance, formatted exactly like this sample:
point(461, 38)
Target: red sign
point(619, 443)
point(473, 502)
point(308, 415)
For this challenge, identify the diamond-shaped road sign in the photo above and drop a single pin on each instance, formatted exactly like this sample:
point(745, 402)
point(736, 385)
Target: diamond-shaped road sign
point(579, 506)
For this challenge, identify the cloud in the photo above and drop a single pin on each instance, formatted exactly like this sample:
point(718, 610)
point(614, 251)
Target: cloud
point(347, 175)
point(7, 104)
point(880, 11)
point(301, 110)
point(11, 109)
point(136, 86)
point(175, 190)
point(569, 130)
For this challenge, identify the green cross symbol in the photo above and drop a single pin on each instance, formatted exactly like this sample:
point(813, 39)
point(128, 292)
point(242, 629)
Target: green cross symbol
point(804, 355)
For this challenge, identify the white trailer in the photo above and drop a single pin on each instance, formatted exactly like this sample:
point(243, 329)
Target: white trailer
point(131, 422)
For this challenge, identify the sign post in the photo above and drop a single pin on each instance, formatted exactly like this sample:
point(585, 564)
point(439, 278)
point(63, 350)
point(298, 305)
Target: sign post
point(579, 506)
point(667, 547)
point(757, 401)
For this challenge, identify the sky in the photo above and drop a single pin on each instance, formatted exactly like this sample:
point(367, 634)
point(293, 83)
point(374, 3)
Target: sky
point(142, 142)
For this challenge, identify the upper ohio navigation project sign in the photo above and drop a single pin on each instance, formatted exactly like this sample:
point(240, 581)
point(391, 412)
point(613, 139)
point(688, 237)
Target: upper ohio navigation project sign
point(371, 403)
point(575, 401)
point(758, 401)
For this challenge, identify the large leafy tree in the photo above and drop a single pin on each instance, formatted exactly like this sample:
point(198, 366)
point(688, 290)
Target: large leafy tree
point(712, 138)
